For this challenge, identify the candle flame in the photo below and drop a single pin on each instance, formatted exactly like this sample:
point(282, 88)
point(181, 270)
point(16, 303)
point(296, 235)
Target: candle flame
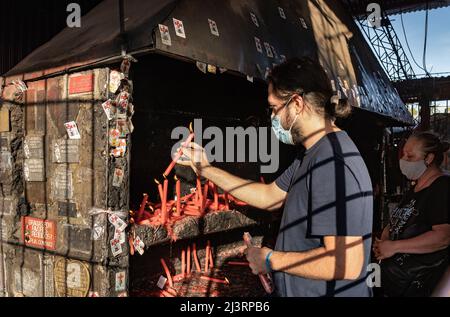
point(156, 181)
point(190, 128)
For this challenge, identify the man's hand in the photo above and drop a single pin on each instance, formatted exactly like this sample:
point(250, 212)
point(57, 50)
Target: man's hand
point(257, 259)
point(195, 157)
point(384, 249)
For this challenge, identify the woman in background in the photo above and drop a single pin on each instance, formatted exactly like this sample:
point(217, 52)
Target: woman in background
point(413, 248)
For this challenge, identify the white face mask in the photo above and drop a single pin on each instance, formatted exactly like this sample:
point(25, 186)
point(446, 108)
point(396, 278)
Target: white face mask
point(413, 170)
point(285, 136)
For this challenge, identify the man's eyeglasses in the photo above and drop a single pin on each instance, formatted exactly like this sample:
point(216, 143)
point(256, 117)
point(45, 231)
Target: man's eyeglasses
point(271, 108)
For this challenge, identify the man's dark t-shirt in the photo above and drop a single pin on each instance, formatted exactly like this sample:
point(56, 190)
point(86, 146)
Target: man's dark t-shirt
point(329, 194)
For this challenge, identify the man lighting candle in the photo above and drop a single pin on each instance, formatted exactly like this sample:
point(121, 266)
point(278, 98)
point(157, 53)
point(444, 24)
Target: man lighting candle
point(323, 246)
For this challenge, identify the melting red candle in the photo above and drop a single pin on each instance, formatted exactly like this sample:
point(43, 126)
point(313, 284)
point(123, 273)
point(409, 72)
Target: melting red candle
point(164, 210)
point(179, 153)
point(178, 193)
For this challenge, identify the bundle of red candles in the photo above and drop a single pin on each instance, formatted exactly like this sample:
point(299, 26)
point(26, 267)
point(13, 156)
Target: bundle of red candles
point(187, 255)
point(205, 198)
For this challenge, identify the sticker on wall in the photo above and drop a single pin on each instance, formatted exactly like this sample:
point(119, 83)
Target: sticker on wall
point(122, 101)
point(213, 27)
point(165, 35)
point(116, 247)
point(72, 130)
point(118, 177)
point(121, 149)
point(120, 281)
point(161, 282)
point(66, 151)
point(139, 245)
point(34, 170)
point(122, 125)
point(125, 66)
point(72, 278)
point(119, 235)
point(115, 78)
point(302, 21)
point(97, 231)
point(212, 69)
point(201, 66)
point(114, 136)
point(179, 28)
point(81, 84)
point(62, 183)
point(258, 45)
point(281, 12)
point(33, 147)
point(39, 233)
point(268, 49)
point(117, 222)
point(254, 19)
point(108, 108)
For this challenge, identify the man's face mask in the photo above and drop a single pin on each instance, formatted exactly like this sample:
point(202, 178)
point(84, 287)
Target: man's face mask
point(285, 136)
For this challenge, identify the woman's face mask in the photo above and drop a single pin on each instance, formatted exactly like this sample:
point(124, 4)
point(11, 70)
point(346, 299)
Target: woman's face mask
point(413, 170)
point(285, 136)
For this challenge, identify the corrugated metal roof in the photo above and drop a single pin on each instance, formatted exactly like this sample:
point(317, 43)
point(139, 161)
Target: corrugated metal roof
point(321, 29)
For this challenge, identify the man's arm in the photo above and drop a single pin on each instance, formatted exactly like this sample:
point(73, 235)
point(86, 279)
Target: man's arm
point(263, 196)
point(341, 258)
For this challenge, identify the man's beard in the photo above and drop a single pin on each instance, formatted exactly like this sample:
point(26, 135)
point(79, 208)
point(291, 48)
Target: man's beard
point(297, 134)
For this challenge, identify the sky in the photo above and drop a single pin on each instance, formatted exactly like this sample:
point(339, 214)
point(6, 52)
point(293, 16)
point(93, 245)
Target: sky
point(438, 47)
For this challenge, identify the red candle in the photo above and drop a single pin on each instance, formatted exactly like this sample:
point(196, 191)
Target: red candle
point(178, 155)
point(205, 196)
point(160, 190)
point(216, 280)
point(199, 191)
point(142, 207)
point(208, 246)
point(216, 198)
point(238, 263)
point(183, 264)
point(178, 193)
point(165, 212)
point(188, 260)
point(166, 269)
point(211, 261)
point(194, 253)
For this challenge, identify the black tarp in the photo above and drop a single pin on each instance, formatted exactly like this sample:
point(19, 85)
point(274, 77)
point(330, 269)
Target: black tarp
point(234, 49)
